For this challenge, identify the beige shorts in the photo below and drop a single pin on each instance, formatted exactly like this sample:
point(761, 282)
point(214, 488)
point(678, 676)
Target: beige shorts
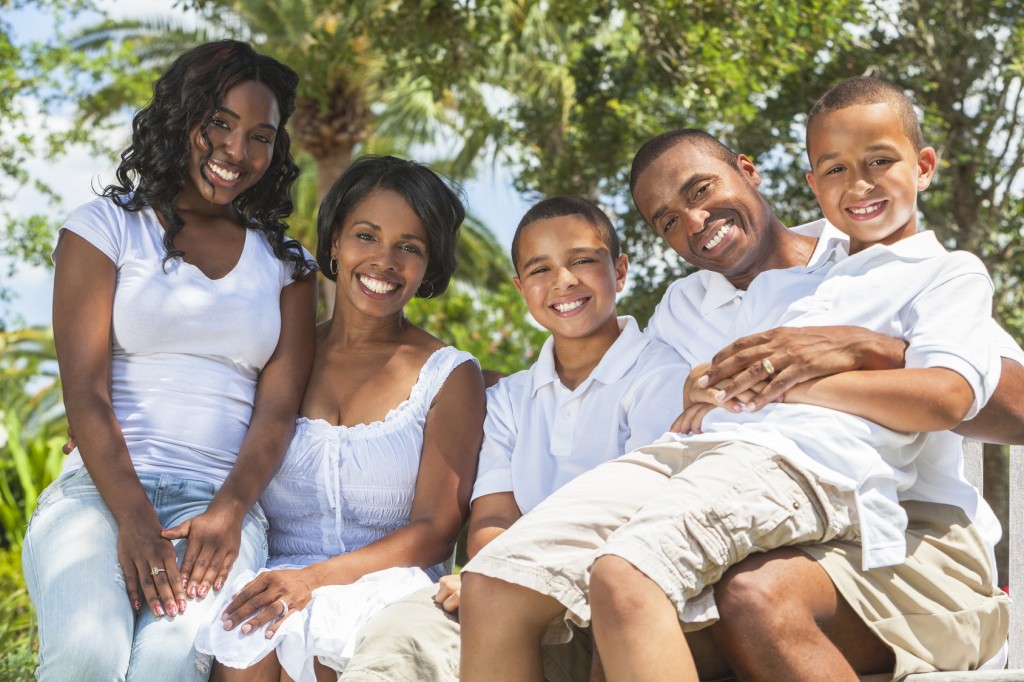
point(682, 530)
point(939, 609)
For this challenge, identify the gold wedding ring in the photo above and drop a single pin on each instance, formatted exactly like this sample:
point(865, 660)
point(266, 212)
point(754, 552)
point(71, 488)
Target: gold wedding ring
point(768, 366)
point(285, 605)
point(157, 571)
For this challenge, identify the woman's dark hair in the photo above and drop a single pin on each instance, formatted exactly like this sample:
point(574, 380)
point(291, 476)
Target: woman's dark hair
point(155, 165)
point(430, 197)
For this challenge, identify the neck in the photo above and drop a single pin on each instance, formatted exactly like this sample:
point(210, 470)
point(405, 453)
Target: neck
point(350, 329)
point(787, 250)
point(575, 359)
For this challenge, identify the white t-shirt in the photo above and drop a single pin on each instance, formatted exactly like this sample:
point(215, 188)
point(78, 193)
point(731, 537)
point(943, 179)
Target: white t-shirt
point(539, 435)
point(913, 289)
point(187, 350)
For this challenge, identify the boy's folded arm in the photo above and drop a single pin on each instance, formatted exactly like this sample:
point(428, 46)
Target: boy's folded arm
point(490, 516)
point(923, 399)
point(1002, 418)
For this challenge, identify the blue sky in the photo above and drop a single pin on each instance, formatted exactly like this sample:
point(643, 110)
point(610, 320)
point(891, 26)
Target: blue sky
point(490, 196)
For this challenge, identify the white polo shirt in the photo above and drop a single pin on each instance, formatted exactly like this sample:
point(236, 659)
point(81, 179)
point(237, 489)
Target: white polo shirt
point(914, 289)
point(539, 435)
point(695, 317)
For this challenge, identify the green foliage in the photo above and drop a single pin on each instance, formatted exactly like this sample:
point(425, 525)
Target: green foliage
point(17, 621)
point(493, 325)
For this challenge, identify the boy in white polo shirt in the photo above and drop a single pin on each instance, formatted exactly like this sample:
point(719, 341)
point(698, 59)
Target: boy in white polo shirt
point(599, 388)
point(787, 474)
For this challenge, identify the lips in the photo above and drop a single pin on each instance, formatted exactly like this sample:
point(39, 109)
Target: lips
point(569, 307)
point(223, 174)
point(376, 286)
point(716, 235)
point(866, 210)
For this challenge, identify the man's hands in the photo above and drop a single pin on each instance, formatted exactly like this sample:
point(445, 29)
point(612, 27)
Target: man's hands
point(797, 354)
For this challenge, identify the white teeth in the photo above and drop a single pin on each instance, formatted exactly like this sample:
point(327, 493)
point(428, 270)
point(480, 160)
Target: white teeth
point(719, 236)
point(222, 173)
point(865, 210)
point(376, 285)
point(572, 305)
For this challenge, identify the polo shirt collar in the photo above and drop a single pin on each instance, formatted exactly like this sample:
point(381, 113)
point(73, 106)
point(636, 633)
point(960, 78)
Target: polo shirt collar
point(617, 360)
point(718, 292)
point(920, 246)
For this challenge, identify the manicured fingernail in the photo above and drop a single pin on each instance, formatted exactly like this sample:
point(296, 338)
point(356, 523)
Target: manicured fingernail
point(736, 408)
point(702, 382)
point(720, 396)
point(749, 407)
point(181, 606)
point(269, 634)
point(203, 589)
point(159, 611)
point(172, 610)
point(136, 604)
point(246, 629)
point(228, 624)
point(184, 583)
point(218, 585)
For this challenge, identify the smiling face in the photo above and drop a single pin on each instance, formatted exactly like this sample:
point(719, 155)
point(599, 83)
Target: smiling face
point(568, 277)
point(866, 173)
point(241, 139)
point(708, 211)
point(381, 249)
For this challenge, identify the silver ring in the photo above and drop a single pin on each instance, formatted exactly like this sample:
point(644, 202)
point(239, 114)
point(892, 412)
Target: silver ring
point(768, 366)
point(285, 605)
point(157, 571)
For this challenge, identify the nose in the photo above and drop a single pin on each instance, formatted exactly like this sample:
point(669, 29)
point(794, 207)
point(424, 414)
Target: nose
point(384, 259)
point(566, 279)
point(694, 220)
point(862, 182)
point(235, 146)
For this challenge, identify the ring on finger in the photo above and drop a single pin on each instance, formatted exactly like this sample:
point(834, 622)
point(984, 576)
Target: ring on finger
point(157, 571)
point(769, 368)
point(285, 610)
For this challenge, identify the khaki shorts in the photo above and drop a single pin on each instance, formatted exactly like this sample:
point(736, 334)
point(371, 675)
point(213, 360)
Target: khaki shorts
point(939, 609)
point(682, 531)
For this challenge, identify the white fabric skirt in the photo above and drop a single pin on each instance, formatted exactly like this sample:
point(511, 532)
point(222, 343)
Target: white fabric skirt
point(327, 628)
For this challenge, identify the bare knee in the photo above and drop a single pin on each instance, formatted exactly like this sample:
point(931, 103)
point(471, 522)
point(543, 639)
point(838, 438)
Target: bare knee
point(619, 592)
point(487, 600)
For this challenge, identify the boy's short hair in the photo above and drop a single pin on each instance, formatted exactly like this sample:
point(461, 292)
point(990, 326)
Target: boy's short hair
point(652, 150)
point(557, 207)
point(862, 90)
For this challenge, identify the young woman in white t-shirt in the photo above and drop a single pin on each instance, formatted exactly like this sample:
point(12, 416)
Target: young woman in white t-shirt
point(183, 322)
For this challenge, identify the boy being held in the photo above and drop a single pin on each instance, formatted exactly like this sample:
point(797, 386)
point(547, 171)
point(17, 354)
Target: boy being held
point(599, 388)
point(789, 473)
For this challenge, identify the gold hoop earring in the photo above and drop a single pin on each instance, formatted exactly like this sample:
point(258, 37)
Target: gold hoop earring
point(334, 267)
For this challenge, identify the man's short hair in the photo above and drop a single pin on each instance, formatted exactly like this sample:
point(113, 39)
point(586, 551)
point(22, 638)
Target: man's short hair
point(652, 150)
point(862, 90)
point(557, 207)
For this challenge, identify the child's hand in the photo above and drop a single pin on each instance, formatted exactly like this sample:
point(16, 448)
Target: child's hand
point(690, 420)
point(449, 587)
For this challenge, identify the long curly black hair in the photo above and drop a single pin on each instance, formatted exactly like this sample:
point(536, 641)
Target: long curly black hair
point(154, 167)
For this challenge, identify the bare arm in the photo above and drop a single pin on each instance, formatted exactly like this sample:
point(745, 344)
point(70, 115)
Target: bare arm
point(83, 298)
point(490, 517)
point(215, 535)
point(799, 354)
point(933, 399)
point(1002, 418)
point(447, 466)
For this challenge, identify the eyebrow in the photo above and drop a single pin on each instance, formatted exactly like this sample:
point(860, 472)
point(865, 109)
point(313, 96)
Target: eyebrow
point(572, 252)
point(883, 147)
point(683, 188)
point(235, 116)
point(405, 235)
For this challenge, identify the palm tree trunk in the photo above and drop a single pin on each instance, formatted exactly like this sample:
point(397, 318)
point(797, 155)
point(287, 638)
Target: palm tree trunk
point(328, 169)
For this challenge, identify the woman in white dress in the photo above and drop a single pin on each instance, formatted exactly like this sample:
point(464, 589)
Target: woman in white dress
point(375, 485)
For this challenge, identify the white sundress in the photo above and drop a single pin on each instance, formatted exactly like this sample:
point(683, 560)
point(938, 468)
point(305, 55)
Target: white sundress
point(339, 488)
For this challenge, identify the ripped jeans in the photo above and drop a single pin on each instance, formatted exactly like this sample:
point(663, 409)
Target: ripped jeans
point(87, 627)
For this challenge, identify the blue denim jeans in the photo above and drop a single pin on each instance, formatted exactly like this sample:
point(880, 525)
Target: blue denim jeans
point(87, 627)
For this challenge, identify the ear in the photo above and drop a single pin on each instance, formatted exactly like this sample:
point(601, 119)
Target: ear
point(927, 161)
point(810, 181)
point(748, 169)
point(621, 266)
point(519, 285)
